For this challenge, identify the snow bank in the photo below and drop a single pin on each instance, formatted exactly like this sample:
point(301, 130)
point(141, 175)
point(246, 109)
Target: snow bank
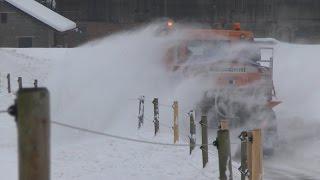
point(296, 82)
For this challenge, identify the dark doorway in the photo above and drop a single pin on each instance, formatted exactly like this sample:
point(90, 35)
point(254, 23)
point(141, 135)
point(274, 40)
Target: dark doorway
point(4, 18)
point(25, 42)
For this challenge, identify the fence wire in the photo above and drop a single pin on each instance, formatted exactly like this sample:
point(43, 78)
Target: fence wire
point(3, 111)
point(131, 139)
point(119, 137)
point(183, 110)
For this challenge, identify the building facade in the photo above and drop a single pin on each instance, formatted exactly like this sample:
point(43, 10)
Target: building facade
point(18, 29)
point(287, 20)
point(28, 23)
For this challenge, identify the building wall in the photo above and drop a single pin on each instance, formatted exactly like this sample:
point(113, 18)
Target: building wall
point(20, 24)
point(288, 20)
point(129, 11)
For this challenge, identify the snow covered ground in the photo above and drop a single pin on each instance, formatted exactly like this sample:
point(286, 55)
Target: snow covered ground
point(95, 87)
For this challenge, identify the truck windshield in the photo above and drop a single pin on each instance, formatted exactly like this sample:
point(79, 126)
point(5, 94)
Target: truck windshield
point(206, 48)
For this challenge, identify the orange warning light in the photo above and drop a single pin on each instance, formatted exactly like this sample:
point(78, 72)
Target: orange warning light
point(170, 23)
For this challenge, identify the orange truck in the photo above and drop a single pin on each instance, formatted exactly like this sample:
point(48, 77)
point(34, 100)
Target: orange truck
point(241, 72)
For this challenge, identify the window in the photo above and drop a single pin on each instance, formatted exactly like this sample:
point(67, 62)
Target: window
point(25, 42)
point(232, 81)
point(4, 18)
point(268, 9)
point(202, 49)
point(240, 5)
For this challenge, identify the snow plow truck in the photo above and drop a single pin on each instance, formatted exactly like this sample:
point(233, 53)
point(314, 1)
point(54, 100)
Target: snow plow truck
point(239, 72)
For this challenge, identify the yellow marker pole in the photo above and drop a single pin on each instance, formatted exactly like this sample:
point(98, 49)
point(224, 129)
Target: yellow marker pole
point(175, 122)
point(255, 155)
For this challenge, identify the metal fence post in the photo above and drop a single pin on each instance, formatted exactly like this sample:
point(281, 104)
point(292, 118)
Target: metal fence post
point(244, 152)
point(35, 83)
point(175, 107)
point(204, 146)
point(192, 136)
point(20, 82)
point(141, 112)
point(9, 82)
point(156, 115)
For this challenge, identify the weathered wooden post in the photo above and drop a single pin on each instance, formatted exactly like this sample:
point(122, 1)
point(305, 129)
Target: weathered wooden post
point(204, 146)
point(175, 121)
point(255, 155)
point(192, 136)
point(141, 111)
point(9, 83)
point(156, 115)
point(33, 122)
point(20, 82)
point(35, 83)
point(224, 152)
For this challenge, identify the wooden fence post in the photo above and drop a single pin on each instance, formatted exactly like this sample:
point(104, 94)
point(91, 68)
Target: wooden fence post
point(35, 83)
point(204, 146)
point(175, 121)
point(141, 111)
point(33, 122)
point(156, 115)
point(255, 155)
point(9, 83)
point(20, 82)
point(224, 152)
point(192, 132)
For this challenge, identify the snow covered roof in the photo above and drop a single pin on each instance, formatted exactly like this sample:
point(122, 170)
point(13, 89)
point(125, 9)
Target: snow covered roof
point(44, 14)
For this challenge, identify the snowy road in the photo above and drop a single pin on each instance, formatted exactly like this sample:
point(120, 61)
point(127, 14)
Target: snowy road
point(284, 174)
